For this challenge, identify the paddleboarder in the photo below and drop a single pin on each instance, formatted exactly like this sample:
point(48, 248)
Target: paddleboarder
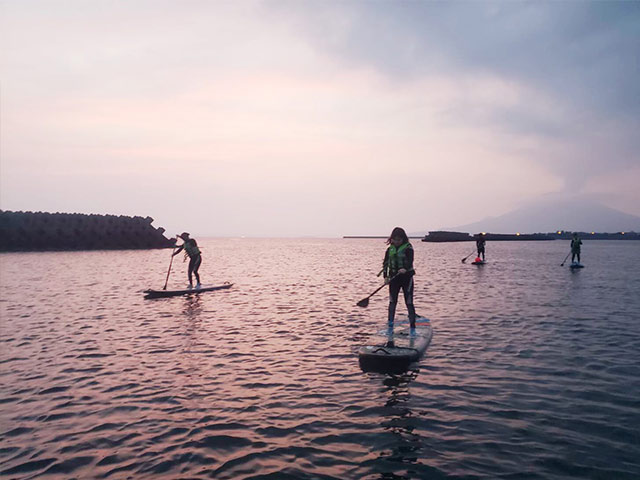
point(480, 243)
point(398, 272)
point(190, 247)
point(575, 247)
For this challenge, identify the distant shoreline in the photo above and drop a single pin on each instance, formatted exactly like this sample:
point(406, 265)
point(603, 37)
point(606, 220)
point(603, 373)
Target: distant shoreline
point(379, 237)
point(450, 237)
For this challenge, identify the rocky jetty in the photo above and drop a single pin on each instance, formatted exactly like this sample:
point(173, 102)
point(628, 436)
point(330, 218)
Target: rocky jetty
point(40, 231)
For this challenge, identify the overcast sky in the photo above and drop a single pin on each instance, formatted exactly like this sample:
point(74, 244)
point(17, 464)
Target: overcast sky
point(316, 117)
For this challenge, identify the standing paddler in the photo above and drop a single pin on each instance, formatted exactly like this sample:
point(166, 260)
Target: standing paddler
point(575, 247)
point(398, 272)
point(190, 246)
point(480, 244)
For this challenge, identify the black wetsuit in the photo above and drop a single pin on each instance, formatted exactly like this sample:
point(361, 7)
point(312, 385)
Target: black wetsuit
point(194, 265)
point(402, 282)
point(480, 246)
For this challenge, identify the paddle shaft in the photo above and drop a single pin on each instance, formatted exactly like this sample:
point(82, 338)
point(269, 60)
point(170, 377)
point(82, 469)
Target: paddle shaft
point(565, 259)
point(382, 286)
point(169, 272)
point(465, 258)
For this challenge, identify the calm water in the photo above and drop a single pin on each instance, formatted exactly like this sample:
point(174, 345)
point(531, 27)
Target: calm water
point(533, 371)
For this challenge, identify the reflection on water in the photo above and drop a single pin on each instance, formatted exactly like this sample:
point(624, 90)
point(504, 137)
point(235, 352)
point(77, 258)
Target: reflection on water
point(407, 445)
point(532, 372)
point(192, 307)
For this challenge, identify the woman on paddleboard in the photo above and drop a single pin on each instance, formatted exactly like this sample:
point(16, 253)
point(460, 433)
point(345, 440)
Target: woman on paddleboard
point(398, 272)
point(190, 247)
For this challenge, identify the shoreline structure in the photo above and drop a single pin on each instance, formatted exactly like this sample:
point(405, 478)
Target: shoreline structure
point(41, 231)
point(439, 236)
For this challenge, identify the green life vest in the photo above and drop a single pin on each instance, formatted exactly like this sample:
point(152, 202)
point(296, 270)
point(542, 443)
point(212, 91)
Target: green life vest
point(191, 248)
point(397, 258)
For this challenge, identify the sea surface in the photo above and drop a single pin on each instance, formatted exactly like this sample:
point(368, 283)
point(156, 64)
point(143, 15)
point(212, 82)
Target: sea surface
point(533, 371)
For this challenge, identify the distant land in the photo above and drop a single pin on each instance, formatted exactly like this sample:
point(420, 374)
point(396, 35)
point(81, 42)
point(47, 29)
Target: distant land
point(552, 213)
point(440, 236)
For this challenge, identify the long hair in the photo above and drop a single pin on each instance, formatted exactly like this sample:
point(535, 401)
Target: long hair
point(398, 232)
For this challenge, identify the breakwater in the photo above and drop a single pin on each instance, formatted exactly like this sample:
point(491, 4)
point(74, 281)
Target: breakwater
point(41, 231)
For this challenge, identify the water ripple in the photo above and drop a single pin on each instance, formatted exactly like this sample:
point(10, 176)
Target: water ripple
point(533, 371)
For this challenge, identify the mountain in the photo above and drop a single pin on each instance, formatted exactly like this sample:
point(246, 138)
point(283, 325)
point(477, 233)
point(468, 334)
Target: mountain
point(556, 212)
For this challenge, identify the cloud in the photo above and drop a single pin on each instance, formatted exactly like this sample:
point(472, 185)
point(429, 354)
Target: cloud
point(573, 48)
point(573, 66)
point(298, 118)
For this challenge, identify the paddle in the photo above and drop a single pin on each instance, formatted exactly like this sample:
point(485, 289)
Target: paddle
point(465, 258)
point(365, 301)
point(169, 272)
point(565, 259)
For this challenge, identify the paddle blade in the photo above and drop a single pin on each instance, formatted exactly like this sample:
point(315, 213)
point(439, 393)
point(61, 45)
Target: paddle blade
point(363, 303)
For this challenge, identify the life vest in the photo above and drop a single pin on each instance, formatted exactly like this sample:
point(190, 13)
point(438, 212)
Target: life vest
point(575, 244)
point(397, 258)
point(191, 248)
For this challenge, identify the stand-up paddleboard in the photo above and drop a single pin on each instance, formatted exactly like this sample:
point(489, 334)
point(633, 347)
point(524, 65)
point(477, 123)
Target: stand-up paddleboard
point(575, 265)
point(481, 262)
point(394, 352)
point(149, 294)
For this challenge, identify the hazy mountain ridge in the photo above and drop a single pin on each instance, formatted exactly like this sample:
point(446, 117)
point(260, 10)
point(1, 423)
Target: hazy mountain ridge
point(551, 214)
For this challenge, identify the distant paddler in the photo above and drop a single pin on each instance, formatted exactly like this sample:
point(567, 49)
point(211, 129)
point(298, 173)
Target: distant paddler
point(190, 247)
point(575, 248)
point(480, 244)
point(398, 272)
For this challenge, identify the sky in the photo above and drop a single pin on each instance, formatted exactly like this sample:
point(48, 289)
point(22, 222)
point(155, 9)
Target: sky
point(316, 118)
